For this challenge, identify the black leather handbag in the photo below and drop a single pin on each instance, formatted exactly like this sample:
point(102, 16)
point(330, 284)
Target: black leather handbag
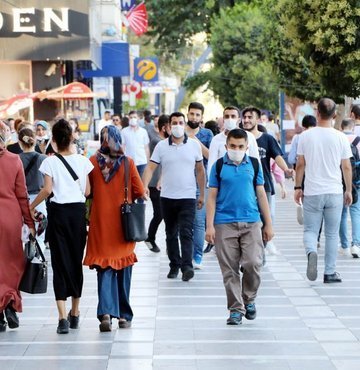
point(132, 215)
point(35, 278)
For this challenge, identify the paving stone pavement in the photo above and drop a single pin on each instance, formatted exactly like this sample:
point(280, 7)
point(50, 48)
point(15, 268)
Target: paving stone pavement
point(181, 326)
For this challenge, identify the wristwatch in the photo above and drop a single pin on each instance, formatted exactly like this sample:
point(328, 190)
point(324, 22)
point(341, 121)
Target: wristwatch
point(297, 187)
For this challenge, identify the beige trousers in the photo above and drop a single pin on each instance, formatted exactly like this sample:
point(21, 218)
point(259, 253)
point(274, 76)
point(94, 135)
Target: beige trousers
point(240, 244)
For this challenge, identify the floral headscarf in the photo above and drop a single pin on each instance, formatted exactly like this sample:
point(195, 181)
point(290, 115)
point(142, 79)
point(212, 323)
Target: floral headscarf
point(4, 136)
point(110, 154)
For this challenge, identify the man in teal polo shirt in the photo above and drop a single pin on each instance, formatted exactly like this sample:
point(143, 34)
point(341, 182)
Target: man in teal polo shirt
point(234, 225)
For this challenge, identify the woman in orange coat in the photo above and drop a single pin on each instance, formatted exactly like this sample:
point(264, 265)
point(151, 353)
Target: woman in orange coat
point(107, 250)
point(14, 211)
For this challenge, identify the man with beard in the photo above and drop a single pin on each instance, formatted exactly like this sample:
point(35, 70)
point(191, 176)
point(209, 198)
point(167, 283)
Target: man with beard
point(268, 148)
point(204, 137)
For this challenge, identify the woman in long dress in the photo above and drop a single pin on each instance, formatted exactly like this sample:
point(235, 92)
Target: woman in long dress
point(66, 221)
point(107, 251)
point(14, 211)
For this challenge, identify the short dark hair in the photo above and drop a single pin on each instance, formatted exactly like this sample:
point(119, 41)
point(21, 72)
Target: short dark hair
point(107, 111)
point(163, 121)
point(176, 114)
point(355, 109)
point(237, 133)
point(133, 112)
point(124, 122)
point(196, 105)
point(62, 134)
point(213, 127)
point(232, 107)
point(252, 109)
point(308, 121)
point(326, 108)
point(347, 123)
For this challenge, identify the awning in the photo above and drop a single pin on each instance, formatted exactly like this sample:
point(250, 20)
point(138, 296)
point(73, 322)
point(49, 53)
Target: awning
point(12, 105)
point(74, 90)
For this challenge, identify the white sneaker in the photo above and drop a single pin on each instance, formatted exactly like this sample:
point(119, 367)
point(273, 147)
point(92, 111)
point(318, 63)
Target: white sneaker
point(197, 266)
point(300, 214)
point(271, 248)
point(344, 252)
point(355, 251)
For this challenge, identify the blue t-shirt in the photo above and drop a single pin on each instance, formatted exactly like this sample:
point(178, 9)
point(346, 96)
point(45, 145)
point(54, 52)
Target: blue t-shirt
point(205, 136)
point(236, 200)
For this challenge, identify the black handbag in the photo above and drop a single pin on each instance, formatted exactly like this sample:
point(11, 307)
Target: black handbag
point(34, 280)
point(132, 214)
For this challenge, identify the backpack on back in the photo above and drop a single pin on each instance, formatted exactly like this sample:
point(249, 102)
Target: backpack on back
point(355, 162)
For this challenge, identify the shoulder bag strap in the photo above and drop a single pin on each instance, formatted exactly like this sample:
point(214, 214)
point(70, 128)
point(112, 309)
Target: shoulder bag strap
point(356, 141)
point(126, 164)
point(72, 172)
point(38, 248)
point(31, 163)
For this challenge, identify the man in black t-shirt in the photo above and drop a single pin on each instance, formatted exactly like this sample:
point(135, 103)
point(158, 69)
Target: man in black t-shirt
point(268, 148)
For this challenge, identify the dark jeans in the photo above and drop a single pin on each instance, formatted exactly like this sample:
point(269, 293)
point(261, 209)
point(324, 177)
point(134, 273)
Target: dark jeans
point(140, 168)
point(114, 293)
point(179, 215)
point(157, 213)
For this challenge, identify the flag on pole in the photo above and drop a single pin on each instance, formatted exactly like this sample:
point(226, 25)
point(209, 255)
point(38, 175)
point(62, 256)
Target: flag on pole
point(137, 19)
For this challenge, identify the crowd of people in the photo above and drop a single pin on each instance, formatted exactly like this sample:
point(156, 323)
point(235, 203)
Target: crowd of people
point(210, 181)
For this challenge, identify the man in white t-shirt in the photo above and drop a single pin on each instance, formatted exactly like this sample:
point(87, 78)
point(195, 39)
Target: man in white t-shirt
point(323, 155)
point(135, 141)
point(217, 148)
point(105, 121)
point(181, 163)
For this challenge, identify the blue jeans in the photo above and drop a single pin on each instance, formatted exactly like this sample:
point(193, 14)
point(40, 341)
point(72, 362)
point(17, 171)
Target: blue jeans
point(179, 221)
point(317, 207)
point(140, 168)
point(114, 293)
point(355, 224)
point(199, 231)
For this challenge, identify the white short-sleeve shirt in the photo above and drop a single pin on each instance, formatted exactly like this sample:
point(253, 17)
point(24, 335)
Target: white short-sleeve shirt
point(217, 149)
point(65, 189)
point(323, 149)
point(135, 141)
point(178, 162)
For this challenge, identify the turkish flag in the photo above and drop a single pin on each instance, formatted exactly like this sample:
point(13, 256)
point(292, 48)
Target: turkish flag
point(138, 19)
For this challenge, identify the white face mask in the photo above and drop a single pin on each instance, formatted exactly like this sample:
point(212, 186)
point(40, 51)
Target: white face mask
point(230, 124)
point(177, 131)
point(236, 155)
point(133, 122)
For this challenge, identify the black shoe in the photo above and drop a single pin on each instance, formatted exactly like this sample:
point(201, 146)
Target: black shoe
point(235, 318)
point(311, 271)
point(250, 311)
point(2, 322)
point(173, 273)
point(208, 248)
point(11, 317)
point(105, 324)
point(332, 278)
point(188, 274)
point(73, 320)
point(63, 327)
point(152, 246)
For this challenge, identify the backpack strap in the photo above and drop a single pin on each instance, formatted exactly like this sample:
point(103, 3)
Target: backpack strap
point(68, 167)
point(255, 163)
point(356, 141)
point(31, 163)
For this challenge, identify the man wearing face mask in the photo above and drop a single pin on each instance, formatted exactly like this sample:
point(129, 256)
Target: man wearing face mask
point(234, 224)
point(204, 137)
point(217, 148)
point(135, 141)
point(268, 148)
point(182, 166)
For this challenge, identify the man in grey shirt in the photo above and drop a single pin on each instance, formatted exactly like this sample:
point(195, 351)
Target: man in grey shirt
point(160, 131)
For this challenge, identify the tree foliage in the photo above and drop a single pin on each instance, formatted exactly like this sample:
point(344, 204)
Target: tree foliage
point(316, 46)
point(241, 73)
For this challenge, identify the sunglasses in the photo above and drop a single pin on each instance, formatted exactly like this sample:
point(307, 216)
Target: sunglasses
point(116, 120)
